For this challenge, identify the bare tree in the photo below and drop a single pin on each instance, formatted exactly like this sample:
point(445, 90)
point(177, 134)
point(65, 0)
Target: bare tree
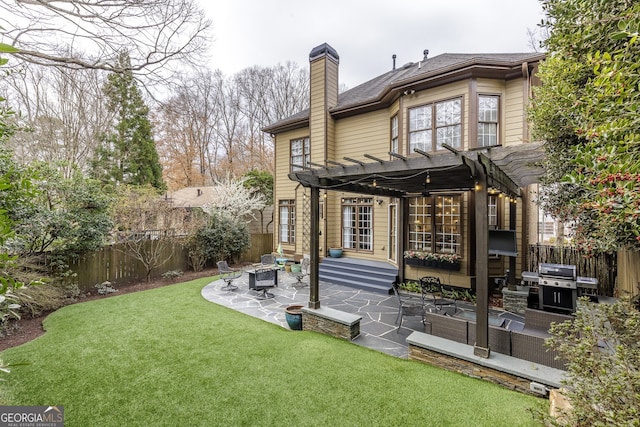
point(222, 118)
point(92, 33)
point(229, 128)
point(185, 134)
point(63, 113)
point(145, 224)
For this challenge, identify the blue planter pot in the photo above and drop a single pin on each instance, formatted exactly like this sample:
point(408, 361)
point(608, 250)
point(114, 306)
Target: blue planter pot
point(293, 315)
point(335, 252)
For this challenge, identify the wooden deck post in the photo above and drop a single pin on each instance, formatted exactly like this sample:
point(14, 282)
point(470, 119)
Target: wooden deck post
point(481, 347)
point(314, 251)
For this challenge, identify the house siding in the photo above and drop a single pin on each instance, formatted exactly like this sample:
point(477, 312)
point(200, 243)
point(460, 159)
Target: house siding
point(369, 132)
point(286, 189)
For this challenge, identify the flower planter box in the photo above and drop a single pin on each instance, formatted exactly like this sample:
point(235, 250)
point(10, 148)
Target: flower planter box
point(417, 262)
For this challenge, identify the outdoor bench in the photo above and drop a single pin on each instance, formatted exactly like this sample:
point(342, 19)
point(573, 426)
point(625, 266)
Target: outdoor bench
point(529, 343)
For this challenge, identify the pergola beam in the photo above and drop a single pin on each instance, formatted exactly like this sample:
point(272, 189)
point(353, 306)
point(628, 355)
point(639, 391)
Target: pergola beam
point(424, 153)
point(397, 156)
point(369, 156)
point(331, 162)
point(349, 159)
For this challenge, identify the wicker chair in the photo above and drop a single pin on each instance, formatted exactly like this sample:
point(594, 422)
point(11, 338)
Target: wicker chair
point(448, 327)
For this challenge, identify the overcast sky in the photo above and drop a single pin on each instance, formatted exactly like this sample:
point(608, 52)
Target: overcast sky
point(365, 33)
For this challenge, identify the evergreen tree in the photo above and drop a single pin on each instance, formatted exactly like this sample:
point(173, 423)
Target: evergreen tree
point(129, 153)
point(587, 112)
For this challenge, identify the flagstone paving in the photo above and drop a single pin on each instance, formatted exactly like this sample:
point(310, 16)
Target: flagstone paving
point(379, 311)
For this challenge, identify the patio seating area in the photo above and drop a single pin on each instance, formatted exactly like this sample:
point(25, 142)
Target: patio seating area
point(379, 311)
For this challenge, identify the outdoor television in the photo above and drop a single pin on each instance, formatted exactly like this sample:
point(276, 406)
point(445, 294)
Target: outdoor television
point(503, 242)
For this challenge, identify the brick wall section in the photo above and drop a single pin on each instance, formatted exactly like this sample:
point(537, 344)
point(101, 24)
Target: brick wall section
point(470, 369)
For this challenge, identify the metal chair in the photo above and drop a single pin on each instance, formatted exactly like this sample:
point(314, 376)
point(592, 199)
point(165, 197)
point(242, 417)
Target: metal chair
point(435, 293)
point(228, 274)
point(407, 307)
point(263, 280)
point(304, 272)
point(268, 260)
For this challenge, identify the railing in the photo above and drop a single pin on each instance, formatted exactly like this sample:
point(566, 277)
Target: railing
point(602, 266)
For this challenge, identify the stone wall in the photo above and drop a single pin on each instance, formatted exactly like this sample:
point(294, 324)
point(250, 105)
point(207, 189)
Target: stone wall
point(515, 301)
point(471, 369)
point(331, 322)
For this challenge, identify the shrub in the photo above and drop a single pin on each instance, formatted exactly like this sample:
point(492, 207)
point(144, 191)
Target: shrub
point(223, 238)
point(39, 299)
point(105, 288)
point(172, 274)
point(603, 372)
point(411, 286)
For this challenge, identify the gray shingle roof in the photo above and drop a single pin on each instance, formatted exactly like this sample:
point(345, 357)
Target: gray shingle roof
point(374, 90)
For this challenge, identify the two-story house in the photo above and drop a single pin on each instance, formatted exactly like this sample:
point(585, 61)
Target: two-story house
point(427, 157)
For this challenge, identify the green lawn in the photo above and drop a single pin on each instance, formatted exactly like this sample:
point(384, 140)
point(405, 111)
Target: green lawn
point(168, 357)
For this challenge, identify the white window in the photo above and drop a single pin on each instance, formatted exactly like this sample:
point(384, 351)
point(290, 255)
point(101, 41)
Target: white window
point(394, 134)
point(287, 222)
point(420, 131)
point(357, 223)
point(439, 233)
point(449, 123)
point(493, 211)
point(447, 129)
point(300, 153)
point(488, 120)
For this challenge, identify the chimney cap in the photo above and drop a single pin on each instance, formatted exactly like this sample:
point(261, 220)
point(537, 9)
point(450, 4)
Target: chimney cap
point(425, 53)
point(323, 50)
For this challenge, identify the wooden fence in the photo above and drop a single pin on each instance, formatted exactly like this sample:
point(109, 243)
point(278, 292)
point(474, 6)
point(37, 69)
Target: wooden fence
point(601, 266)
point(113, 264)
point(260, 244)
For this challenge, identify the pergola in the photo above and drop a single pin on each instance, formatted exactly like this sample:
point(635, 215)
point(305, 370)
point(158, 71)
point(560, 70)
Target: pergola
point(501, 168)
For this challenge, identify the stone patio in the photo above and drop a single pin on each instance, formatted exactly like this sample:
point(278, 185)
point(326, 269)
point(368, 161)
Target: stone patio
point(378, 330)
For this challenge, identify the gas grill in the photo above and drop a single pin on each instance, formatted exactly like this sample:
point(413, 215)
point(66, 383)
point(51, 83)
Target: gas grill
point(558, 287)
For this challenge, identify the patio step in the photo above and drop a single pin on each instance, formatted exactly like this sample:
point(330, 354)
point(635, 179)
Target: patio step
point(374, 276)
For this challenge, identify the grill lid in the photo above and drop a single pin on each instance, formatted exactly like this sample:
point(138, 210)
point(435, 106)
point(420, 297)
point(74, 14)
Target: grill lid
point(565, 271)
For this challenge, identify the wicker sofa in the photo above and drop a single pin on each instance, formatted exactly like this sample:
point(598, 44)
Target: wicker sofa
point(527, 344)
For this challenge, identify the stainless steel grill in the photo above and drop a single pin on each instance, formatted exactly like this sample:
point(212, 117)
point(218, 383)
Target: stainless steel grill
point(558, 286)
point(558, 275)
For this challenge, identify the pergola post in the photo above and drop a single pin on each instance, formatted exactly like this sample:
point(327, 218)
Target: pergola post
point(314, 250)
point(403, 210)
point(481, 347)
